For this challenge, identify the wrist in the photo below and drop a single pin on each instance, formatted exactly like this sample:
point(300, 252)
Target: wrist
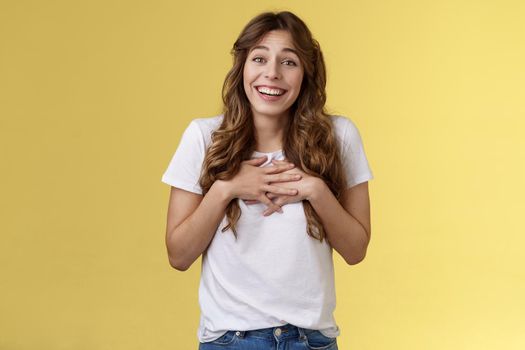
point(316, 188)
point(223, 188)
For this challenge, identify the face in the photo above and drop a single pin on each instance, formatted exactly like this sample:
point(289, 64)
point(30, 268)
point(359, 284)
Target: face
point(272, 75)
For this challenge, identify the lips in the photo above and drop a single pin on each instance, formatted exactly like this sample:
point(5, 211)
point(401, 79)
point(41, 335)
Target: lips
point(270, 93)
point(270, 90)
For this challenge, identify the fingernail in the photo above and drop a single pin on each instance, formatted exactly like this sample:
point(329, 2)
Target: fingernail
point(280, 210)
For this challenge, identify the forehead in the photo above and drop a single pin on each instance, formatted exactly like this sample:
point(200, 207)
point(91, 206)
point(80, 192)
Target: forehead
point(275, 40)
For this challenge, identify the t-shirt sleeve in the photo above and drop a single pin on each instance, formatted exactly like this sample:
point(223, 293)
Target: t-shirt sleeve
point(354, 158)
point(185, 166)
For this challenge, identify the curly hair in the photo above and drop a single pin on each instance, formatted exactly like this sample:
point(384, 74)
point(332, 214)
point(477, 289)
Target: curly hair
point(310, 141)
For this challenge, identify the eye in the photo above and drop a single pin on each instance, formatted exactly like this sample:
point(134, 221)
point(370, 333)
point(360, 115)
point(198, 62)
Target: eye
point(257, 59)
point(290, 63)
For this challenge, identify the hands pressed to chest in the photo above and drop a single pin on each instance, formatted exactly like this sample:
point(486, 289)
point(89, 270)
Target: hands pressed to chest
point(275, 186)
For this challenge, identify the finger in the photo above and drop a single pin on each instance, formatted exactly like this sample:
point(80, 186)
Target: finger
point(281, 200)
point(282, 177)
point(279, 203)
point(279, 190)
point(269, 212)
point(283, 163)
point(278, 168)
point(256, 161)
point(270, 204)
point(271, 195)
point(280, 161)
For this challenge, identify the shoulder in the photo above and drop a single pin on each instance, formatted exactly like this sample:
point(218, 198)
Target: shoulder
point(343, 122)
point(212, 122)
point(204, 127)
point(344, 127)
point(207, 124)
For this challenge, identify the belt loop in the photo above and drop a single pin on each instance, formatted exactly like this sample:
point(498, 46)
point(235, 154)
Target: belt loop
point(302, 336)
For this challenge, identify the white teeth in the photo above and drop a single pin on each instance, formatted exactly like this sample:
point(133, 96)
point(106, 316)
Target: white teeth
point(268, 91)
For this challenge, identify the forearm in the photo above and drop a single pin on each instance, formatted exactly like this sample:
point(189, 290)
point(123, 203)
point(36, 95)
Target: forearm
point(345, 234)
point(190, 239)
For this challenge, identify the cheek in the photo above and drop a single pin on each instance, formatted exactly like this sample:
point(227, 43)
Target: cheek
point(246, 80)
point(301, 77)
point(298, 79)
point(297, 82)
point(248, 71)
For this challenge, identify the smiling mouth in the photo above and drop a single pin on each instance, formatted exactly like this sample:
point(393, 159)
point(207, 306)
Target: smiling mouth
point(270, 91)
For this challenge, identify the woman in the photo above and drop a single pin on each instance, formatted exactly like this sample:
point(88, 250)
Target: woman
point(267, 278)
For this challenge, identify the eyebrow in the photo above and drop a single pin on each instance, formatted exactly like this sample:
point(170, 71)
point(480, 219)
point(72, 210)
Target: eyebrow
point(286, 49)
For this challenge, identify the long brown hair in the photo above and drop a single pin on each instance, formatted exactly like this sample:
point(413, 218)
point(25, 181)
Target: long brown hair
point(310, 141)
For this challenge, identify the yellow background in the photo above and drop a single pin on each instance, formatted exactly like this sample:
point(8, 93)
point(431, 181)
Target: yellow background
point(94, 96)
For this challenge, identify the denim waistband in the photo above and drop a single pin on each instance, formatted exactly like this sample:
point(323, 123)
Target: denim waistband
point(280, 332)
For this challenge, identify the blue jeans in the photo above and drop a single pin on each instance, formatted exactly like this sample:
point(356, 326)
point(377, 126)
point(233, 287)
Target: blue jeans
point(286, 337)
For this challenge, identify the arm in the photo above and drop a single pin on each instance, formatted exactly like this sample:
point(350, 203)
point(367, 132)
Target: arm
point(193, 219)
point(347, 224)
point(192, 222)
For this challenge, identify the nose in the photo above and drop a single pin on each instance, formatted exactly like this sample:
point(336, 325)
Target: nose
point(272, 70)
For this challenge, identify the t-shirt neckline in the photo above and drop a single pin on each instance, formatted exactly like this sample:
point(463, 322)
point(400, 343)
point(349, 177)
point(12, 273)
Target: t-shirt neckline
point(267, 153)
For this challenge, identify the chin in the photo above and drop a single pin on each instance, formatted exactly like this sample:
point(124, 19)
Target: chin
point(271, 111)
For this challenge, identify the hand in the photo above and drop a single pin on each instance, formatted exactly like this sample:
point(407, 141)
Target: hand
point(306, 187)
point(253, 182)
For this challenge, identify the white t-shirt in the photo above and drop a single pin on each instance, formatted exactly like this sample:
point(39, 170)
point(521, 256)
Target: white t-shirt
point(275, 273)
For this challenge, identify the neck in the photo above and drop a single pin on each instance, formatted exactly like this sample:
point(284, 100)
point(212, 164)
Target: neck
point(269, 131)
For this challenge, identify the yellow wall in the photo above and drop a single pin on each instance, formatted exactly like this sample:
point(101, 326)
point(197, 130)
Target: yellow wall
point(94, 96)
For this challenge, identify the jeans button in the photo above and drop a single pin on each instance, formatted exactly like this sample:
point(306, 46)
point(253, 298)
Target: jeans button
point(237, 333)
point(278, 332)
